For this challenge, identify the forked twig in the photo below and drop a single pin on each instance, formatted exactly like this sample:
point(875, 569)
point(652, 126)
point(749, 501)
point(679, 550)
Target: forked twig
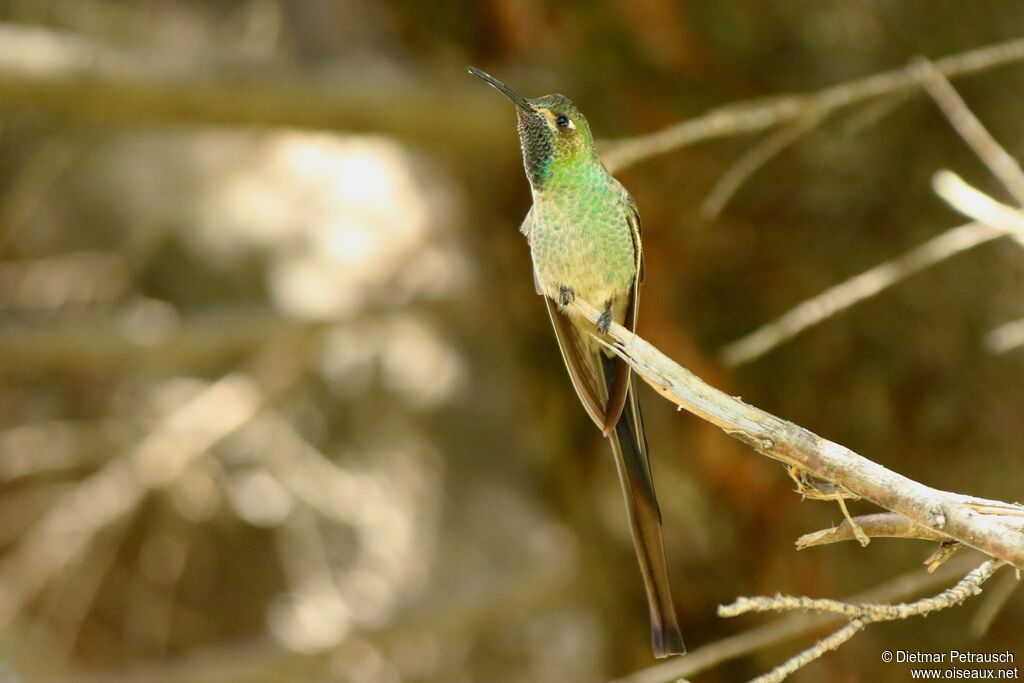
point(859, 615)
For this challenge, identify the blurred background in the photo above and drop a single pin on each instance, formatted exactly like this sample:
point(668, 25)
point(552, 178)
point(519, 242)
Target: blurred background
point(277, 399)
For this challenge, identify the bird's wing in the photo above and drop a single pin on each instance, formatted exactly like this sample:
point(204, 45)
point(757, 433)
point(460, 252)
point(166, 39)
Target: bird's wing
point(581, 363)
point(633, 216)
point(618, 385)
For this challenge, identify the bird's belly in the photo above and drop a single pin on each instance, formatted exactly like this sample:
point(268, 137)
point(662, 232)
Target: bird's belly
point(593, 256)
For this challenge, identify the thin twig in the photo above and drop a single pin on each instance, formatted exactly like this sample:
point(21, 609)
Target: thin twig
point(975, 204)
point(858, 288)
point(1003, 166)
point(791, 626)
point(968, 586)
point(860, 615)
point(751, 162)
point(752, 117)
point(1006, 337)
point(823, 646)
point(878, 525)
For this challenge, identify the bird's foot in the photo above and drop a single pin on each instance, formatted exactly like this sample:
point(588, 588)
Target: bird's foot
point(566, 295)
point(605, 320)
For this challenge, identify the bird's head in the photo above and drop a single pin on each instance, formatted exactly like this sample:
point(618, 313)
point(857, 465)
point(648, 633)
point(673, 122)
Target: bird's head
point(551, 130)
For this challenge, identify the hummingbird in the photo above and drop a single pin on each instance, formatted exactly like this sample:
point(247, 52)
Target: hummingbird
point(584, 235)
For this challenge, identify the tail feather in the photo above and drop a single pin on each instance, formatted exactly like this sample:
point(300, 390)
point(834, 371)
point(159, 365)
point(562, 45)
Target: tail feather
point(629, 445)
point(607, 390)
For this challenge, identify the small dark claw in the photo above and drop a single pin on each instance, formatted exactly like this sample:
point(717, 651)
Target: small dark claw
point(566, 295)
point(605, 321)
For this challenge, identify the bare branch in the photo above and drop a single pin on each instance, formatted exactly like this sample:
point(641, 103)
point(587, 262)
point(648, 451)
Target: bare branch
point(751, 162)
point(804, 658)
point(860, 287)
point(860, 615)
point(969, 586)
point(115, 491)
point(870, 612)
point(977, 205)
point(72, 75)
point(753, 117)
point(878, 525)
point(999, 536)
point(1002, 165)
point(172, 343)
point(790, 626)
point(1006, 337)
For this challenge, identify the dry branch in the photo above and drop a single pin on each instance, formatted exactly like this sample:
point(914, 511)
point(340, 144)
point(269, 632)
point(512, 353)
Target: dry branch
point(949, 514)
point(792, 626)
point(858, 288)
point(971, 202)
point(1006, 337)
point(878, 525)
point(753, 117)
point(992, 217)
point(751, 162)
point(999, 162)
point(860, 615)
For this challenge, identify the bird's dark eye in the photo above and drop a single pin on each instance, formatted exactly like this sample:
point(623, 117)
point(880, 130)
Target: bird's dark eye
point(562, 120)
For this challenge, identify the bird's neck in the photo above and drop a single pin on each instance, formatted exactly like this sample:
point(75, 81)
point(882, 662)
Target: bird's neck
point(571, 175)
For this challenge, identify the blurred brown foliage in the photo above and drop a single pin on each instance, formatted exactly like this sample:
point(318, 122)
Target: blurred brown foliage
point(279, 402)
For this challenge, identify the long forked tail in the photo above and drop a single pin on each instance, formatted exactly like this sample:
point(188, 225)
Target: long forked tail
point(629, 445)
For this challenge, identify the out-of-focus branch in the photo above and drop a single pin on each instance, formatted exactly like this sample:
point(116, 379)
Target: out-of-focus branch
point(858, 288)
point(116, 490)
point(155, 336)
point(449, 618)
point(1006, 337)
point(732, 180)
point(70, 527)
point(975, 204)
point(995, 220)
point(950, 514)
point(753, 117)
point(78, 77)
point(999, 162)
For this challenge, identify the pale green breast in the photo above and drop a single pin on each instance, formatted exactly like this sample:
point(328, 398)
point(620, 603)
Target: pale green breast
point(580, 236)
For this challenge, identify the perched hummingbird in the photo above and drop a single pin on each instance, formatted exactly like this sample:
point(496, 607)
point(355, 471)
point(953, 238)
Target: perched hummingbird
point(584, 236)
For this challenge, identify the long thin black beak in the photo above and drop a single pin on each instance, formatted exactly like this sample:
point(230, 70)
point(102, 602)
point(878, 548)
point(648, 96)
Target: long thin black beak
point(519, 100)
